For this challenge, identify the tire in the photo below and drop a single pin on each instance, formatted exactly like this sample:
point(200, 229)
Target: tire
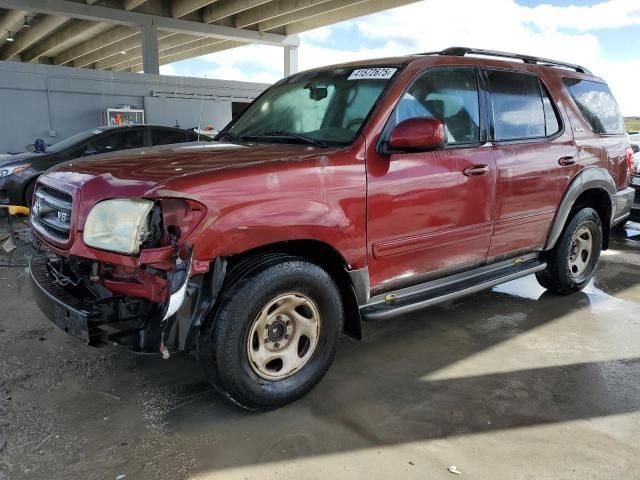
point(256, 321)
point(573, 261)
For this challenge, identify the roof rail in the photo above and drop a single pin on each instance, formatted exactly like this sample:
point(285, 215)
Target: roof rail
point(463, 51)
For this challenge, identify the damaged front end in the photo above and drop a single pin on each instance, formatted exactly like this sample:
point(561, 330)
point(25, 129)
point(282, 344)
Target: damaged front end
point(153, 297)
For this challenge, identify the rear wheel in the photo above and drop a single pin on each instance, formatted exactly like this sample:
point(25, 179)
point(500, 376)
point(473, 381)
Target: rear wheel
point(573, 261)
point(274, 336)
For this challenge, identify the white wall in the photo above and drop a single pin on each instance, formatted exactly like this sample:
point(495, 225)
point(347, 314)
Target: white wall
point(53, 102)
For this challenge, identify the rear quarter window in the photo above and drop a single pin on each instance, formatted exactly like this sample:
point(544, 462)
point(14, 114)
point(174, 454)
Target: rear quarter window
point(596, 103)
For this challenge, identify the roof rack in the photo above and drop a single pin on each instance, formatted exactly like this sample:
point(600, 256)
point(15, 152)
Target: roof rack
point(463, 51)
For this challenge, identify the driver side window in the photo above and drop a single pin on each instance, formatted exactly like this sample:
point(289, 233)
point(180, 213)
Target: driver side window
point(449, 94)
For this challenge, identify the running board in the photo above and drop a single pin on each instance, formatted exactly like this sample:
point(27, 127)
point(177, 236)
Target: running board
point(409, 300)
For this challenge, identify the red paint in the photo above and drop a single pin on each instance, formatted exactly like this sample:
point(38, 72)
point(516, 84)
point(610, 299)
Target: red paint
point(402, 215)
point(417, 134)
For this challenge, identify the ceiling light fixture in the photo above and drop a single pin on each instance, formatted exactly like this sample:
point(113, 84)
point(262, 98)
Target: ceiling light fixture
point(26, 23)
point(9, 37)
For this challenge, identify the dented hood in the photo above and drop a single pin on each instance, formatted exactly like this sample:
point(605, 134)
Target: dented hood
point(138, 170)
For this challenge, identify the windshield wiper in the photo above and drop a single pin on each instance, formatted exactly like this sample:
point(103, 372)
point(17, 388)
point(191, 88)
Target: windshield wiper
point(297, 136)
point(229, 136)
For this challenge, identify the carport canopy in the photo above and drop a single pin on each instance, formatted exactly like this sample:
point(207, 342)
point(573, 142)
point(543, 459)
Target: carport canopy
point(141, 35)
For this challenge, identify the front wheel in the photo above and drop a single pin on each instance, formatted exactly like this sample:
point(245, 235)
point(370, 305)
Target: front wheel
point(274, 335)
point(573, 261)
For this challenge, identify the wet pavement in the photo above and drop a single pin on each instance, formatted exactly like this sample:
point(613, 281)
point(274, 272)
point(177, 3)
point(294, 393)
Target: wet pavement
point(511, 383)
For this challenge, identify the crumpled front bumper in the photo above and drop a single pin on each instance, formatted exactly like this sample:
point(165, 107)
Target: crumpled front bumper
point(79, 317)
point(142, 325)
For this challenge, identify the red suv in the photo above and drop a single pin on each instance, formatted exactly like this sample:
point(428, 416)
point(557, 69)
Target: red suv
point(361, 191)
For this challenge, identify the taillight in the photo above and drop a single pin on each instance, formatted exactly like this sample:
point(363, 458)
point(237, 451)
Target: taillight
point(629, 155)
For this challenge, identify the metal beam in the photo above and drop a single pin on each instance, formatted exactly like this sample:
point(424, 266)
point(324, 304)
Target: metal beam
point(114, 49)
point(132, 4)
point(11, 22)
point(106, 37)
point(132, 58)
point(180, 8)
point(186, 49)
point(225, 8)
point(322, 9)
point(71, 34)
point(347, 13)
point(120, 51)
point(150, 56)
point(101, 41)
point(112, 15)
point(198, 52)
point(172, 41)
point(31, 35)
point(111, 57)
point(274, 9)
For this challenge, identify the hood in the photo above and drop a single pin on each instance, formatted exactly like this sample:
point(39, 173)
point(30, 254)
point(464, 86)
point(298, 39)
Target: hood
point(147, 167)
point(20, 158)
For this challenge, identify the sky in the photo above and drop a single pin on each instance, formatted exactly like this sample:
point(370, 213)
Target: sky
point(602, 35)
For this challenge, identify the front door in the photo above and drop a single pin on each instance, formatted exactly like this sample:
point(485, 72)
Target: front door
point(430, 214)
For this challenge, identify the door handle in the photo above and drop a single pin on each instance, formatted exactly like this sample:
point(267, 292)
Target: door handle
point(566, 161)
point(476, 170)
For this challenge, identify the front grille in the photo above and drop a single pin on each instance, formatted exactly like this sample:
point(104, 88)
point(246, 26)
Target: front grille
point(51, 212)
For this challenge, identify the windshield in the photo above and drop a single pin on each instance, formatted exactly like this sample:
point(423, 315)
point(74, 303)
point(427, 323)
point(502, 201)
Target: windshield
point(322, 108)
point(72, 140)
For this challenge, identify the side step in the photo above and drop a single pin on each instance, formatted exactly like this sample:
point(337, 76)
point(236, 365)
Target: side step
point(414, 298)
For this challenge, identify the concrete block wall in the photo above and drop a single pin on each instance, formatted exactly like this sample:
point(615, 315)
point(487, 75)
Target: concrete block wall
point(53, 102)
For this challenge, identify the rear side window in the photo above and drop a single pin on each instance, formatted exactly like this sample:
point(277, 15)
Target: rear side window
point(518, 109)
point(597, 105)
point(166, 137)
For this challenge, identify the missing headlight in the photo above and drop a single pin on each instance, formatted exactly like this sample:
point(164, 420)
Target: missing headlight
point(152, 233)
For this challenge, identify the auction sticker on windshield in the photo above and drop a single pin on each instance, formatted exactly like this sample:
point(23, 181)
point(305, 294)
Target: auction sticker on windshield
point(384, 73)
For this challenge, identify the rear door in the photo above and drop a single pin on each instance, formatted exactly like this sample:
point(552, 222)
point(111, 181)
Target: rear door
point(429, 214)
point(535, 156)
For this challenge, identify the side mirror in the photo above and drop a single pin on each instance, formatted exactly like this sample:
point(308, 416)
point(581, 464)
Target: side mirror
point(418, 134)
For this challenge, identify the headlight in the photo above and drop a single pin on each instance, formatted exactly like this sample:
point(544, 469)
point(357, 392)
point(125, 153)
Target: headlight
point(117, 225)
point(6, 171)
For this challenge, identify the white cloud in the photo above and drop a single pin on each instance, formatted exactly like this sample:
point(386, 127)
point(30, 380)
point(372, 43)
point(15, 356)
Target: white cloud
point(563, 33)
point(168, 70)
point(605, 15)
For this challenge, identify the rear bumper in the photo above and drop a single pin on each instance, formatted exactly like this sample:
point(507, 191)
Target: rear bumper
point(623, 201)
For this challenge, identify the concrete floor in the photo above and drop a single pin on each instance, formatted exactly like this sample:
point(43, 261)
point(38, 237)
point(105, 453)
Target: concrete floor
point(507, 384)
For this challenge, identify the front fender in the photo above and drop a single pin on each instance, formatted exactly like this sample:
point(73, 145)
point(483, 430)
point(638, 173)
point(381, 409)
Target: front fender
point(256, 224)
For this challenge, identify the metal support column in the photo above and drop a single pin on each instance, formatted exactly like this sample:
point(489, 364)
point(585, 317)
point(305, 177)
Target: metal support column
point(290, 60)
point(150, 54)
